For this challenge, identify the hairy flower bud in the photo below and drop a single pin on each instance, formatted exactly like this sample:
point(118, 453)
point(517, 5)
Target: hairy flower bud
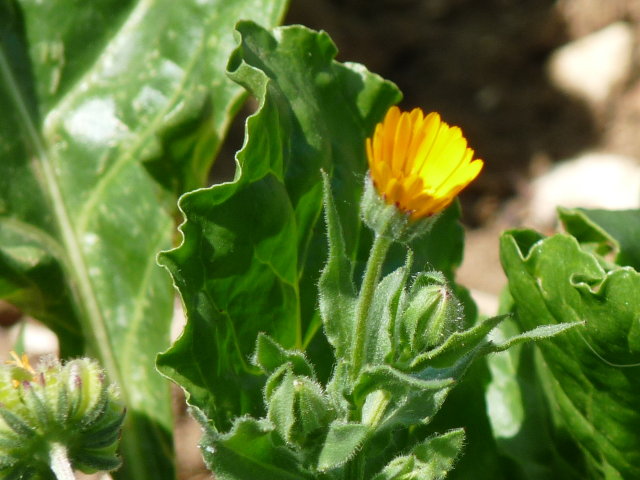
point(431, 314)
point(57, 408)
point(298, 407)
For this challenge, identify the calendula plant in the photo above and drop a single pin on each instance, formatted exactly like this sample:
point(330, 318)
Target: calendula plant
point(399, 339)
point(326, 336)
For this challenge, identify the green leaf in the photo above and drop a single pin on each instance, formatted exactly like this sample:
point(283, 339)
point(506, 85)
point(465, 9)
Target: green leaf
point(281, 403)
point(465, 406)
point(610, 231)
point(538, 333)
point(591, 374)
point(110, 108)
point(249, 451)
point(430, 460)
point(269, 356)
point(414, 399)
point(336, 291)
point(252, 249)
point(458, 345)
point(520, 417)
point(342, 443)
point(382, 316)
point(384, 377)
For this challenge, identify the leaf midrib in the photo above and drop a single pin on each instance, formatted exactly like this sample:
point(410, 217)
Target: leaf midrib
point(85, 299)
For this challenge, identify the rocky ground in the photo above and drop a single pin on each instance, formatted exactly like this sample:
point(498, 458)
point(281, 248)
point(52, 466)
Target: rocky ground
point(548, 93)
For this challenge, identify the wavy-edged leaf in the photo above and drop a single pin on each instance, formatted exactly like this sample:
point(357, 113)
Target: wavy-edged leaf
point(253, 248)
point(591, 374)
point(615, 231)
point(520, 417)
point(110, 108)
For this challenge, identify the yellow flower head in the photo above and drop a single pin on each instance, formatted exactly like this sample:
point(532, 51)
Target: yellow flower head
point(419, 164)
point(23, 364)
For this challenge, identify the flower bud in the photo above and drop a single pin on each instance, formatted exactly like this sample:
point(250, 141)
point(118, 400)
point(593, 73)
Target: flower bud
point(299, 408)
point(56, 406)
point(432, 313)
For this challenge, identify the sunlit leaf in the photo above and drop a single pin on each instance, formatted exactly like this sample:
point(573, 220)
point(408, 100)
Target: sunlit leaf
point(109, 109)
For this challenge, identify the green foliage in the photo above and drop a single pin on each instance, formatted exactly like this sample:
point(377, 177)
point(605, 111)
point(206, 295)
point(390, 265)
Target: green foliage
point(431, 460)
point(247, 269)
point(356, 426)
point(110, 109)
point(253, 248)
point(590, 376)
point(313, 349)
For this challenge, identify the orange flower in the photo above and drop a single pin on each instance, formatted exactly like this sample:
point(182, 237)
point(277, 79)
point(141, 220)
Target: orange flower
point(419, 164)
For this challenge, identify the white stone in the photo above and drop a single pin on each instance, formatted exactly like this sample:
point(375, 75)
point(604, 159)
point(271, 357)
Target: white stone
point(592, 180)
point(593, 66)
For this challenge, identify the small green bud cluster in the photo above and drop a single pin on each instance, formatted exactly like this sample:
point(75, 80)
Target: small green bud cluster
point(55, 409)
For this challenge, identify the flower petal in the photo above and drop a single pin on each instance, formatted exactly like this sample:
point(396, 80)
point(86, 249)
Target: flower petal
point(419, 163)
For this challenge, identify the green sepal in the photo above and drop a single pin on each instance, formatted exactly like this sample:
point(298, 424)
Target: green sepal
point(88, 462)
point(430, 460)
point(35, 404)
point(388, 220)
point(340, 388)
point(270, 355)
point(63, 405)
point(274, 380)
point(336, 291)
point(341, 444)
point(314, 412)
point(297, 406)
point(105, 435)
point(17, 424)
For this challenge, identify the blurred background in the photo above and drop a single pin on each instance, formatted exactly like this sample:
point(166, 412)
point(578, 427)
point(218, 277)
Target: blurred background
point(547, 93)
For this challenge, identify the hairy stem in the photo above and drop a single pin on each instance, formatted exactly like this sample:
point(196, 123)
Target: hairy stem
point(376, 259)
point(59, 462)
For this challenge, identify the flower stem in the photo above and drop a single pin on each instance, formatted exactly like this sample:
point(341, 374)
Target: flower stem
point(376, 259)
point(59, 462)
